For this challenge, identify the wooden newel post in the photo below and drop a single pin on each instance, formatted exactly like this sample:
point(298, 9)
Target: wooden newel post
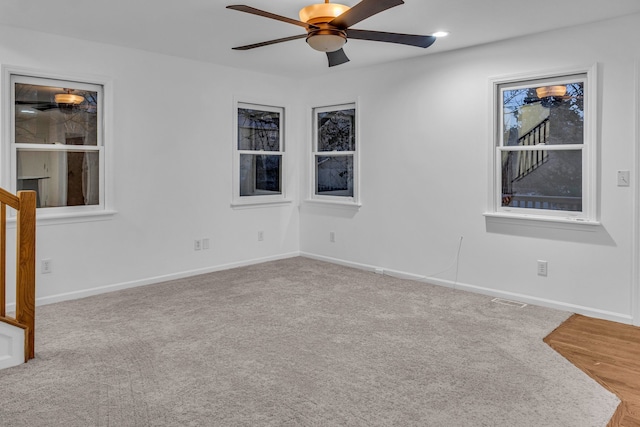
point(26, 268)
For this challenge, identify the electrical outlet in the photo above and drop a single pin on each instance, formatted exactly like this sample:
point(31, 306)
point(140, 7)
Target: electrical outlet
point(332, 236)
point(260, 236)
point(197, 245)
point(46, 266)
point(205, 244)
point(542, 268)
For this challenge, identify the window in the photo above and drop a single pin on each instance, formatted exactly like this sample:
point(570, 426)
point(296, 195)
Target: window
point(544, 148)
point(57, 144)
point(335, 160)
point(259, 154)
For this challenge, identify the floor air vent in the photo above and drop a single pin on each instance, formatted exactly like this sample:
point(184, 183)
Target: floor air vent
point(508, 302)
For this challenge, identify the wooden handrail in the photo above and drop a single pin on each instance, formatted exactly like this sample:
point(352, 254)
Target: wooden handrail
point(9, 199)
point(25, 205)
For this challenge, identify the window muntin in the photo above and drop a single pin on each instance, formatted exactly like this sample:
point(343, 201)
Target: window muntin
point(334, 153)
point(57, 142)
point(543, 148)
point(259, 153)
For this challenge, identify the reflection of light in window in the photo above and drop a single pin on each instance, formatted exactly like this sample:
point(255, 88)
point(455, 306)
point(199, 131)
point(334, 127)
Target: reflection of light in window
point(28, 111)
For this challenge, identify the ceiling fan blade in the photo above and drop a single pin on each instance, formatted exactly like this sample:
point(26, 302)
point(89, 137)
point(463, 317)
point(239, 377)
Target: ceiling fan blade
point(336, 58)
point(267, 43)
point(380, 36)
point(362, 11)
point(37, 105)
point(254, 11)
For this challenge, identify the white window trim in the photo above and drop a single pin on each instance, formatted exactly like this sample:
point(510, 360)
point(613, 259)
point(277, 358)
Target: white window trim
point(69, 214)
point(238, 201)
point(635, 292)
point(343, 201)
point(590, 211)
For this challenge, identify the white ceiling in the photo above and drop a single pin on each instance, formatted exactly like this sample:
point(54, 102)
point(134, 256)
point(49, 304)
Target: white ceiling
point(204, 30)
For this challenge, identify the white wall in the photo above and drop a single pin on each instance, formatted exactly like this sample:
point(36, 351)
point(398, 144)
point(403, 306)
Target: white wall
point(424, 135)
point(171, 156)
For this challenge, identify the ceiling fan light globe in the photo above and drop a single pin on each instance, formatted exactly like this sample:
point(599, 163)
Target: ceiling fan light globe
point(68, 98)
point(322, 12)
point(547, 91)
point(326, 42)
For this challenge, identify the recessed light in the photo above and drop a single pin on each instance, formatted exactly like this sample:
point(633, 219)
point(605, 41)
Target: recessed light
point(440, 34)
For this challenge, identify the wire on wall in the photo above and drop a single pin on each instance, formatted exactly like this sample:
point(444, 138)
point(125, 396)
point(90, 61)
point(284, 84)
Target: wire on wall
point(455, 262)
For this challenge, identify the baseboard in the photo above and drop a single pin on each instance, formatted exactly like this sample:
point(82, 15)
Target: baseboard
point(558, 305)
point(365, 267)
point(151, 280)
point(543, 302)
point(337, 261)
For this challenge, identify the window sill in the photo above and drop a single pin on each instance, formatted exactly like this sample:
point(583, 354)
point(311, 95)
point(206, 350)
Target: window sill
point(336, 203)
point(543, 221)
point(68, 218)
point(250, 204)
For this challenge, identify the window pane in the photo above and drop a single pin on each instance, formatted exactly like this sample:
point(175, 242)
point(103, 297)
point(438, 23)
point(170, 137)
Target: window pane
point(544, 115)
point(61, 178)
point(336, 130)
point(43, 117)
point(260, 174)
point(542, 179)
point(334, 175)
point(258, 130)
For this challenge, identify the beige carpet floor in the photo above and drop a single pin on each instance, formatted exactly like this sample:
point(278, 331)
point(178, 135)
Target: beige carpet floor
point(297, 342)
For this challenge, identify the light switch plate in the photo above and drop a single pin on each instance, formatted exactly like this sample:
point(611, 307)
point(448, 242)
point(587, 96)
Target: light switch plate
point(623, 178)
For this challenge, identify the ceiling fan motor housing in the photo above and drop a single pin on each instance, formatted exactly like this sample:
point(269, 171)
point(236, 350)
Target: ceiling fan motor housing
point(321, 12)
point(322, 36)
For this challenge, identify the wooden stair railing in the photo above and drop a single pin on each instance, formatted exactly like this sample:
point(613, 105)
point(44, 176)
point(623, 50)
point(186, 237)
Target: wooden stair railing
point(526, 161)
point(531, 160)
point(25, 205)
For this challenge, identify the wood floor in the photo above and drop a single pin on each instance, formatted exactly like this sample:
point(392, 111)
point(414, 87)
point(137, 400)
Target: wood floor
point(609, 352)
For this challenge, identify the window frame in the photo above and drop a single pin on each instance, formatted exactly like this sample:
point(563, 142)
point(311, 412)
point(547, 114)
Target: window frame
point(239, 200)
point(589, 148)
point(8, 153)
point(355, 154)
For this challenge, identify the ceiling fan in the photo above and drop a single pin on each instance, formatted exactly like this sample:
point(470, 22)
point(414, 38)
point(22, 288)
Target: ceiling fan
point(329, 25)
